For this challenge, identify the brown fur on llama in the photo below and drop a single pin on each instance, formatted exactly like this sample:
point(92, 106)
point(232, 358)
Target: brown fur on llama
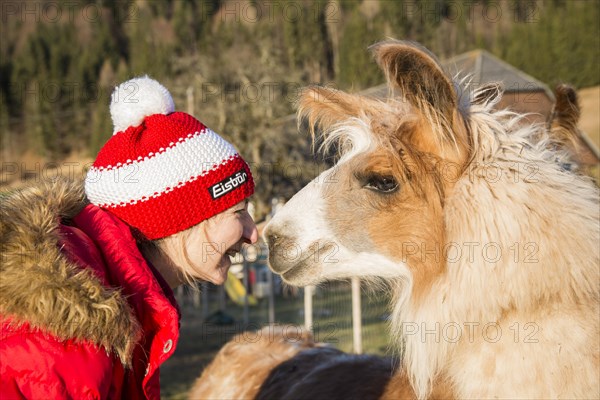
point(491, 246)
point(284, 362)
point(241, 366)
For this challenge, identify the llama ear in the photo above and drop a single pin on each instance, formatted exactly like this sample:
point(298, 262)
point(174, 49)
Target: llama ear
point(566, 111)
point(418, 75)
point(565, 117)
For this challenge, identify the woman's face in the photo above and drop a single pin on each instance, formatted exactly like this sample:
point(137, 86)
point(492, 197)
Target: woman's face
point(224, 236)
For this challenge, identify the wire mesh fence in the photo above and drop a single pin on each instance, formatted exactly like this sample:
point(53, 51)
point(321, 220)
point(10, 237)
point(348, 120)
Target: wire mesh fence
point(211, 317)
point(331, 312)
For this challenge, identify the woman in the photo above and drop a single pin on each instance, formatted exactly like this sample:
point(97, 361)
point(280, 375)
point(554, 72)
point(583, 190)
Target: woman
point(86, 282)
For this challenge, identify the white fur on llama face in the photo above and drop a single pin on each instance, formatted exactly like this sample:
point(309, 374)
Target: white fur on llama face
point(314, 253)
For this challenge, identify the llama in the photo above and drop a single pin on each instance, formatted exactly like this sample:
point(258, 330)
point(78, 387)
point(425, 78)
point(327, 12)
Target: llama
point(242, 365)
point(280, 362)
point(489, 244)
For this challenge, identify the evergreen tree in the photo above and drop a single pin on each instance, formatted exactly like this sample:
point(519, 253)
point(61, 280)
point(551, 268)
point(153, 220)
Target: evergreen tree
point(54, 79)
point(357, 69)
point(553, 47)
point(101, 127)
point(183, 24)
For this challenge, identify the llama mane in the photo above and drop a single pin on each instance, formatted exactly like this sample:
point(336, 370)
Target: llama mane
point(500, 138)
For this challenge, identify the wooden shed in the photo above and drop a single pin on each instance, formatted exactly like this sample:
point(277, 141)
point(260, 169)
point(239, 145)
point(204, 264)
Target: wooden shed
point(522, 93)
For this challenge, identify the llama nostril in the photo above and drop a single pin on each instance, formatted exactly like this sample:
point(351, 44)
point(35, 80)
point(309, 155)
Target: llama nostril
point(272, 239)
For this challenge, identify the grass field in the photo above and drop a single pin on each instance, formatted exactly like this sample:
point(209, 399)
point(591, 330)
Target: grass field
point(200, 341)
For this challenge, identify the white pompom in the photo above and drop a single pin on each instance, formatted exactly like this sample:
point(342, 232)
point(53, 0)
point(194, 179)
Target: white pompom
point(134, 100)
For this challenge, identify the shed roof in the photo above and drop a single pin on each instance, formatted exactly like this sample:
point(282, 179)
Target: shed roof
point(482, 67)
point(478, 67)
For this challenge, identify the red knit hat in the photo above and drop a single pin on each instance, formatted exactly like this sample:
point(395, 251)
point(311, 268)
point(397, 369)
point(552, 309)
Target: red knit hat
point(163, 171)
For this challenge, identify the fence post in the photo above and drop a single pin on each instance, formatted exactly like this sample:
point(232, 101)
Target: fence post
point(271, 297)
point(356, 316)
point(308, 308)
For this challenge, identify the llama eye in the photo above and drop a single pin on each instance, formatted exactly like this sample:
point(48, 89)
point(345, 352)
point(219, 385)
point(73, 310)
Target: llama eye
point(383, 184)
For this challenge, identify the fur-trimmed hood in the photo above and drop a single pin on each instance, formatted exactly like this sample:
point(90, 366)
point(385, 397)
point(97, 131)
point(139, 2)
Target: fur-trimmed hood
point(42, 288)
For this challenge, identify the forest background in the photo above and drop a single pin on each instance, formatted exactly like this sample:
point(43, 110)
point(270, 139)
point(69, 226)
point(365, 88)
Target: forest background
point(238, 65)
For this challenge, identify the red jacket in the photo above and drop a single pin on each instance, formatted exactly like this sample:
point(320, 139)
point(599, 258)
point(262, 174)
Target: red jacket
point(83, 315)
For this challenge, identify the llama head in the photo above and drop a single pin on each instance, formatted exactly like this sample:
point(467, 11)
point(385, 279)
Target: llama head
point(398, 161)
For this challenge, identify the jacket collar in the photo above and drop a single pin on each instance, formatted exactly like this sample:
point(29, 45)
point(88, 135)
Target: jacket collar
point(148, 294)
point(40, 285)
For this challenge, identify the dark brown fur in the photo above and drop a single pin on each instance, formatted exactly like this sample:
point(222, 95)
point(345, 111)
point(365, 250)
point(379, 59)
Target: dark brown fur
point(564, 119)
point(241, 366)
point(325, 373)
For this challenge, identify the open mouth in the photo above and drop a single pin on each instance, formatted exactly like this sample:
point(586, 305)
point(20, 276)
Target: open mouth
point(231, 253)
point(235, 255)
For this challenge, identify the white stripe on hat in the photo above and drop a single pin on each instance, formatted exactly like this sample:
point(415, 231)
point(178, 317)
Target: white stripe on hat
point(143, 179)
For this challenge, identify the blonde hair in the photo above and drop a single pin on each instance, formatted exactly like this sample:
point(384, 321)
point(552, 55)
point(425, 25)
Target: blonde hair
point(175, 249)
